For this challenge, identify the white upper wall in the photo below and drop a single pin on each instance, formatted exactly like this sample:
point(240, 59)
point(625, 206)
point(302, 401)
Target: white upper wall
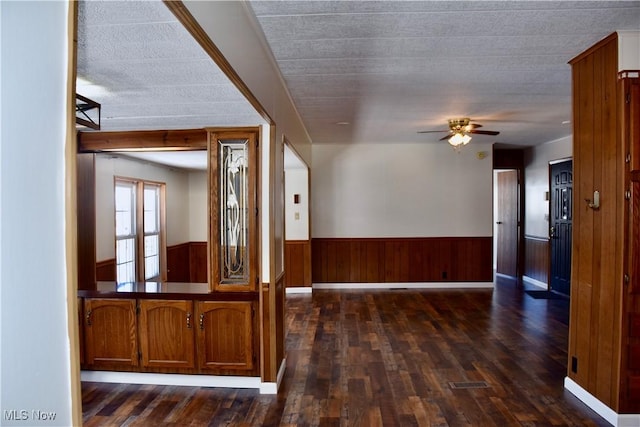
point(198, 206)
point(536, 160)
point(296, 181)
point(401, 190)
point(628, 50)
point(35, 344)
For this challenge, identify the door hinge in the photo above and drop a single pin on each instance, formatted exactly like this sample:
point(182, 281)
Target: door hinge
point(138, 310)
point(257, 280)
point(257, 211)
point(627, 279)
point(628, 158)
point(139, 356)
point(627, 98)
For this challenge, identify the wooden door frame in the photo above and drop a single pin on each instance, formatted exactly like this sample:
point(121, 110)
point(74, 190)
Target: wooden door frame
point(513, 159)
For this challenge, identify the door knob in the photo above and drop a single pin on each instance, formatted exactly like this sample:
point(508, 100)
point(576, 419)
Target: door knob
point(498, 222)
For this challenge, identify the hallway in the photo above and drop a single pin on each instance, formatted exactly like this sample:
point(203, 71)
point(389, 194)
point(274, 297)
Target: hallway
point(392, 358)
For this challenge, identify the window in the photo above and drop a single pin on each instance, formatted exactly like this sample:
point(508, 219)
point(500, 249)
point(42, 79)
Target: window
point(125, 231)
point(140, 245)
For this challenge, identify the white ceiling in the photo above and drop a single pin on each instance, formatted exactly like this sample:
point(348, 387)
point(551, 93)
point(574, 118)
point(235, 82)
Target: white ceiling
point(388, 68)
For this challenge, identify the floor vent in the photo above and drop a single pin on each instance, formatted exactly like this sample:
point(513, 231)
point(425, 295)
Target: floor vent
point(457, 385)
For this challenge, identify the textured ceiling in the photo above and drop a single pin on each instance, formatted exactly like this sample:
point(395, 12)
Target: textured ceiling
point(392, 68)
point(148, 72)
point(388, 68)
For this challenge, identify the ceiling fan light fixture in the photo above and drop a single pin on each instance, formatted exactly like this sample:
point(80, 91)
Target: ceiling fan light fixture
point(459, 139)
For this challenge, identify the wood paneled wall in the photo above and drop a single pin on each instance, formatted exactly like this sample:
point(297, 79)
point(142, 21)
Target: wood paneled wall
point(389, 260)
point(106, 270)
point(536, 258)
point(297, 263)
point(187, 262)
point(86, 212)
point(598, 235)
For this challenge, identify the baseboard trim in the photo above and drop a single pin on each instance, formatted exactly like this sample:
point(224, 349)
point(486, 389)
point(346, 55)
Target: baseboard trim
point(299, 290)
point(221, 381)
point(612, 417)
point(407, 285)
point(535, 282)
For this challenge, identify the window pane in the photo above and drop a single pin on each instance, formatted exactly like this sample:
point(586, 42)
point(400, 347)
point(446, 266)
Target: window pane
point(125, 260)
point(125, 208)
point(151, 257)
point(151, 208)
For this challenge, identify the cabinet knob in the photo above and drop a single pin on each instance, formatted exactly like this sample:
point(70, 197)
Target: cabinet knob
point(88, 317)
point(188, 320)
point(202, 321)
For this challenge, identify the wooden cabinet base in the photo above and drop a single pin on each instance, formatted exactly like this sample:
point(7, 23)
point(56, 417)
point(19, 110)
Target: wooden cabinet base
point(170, 336)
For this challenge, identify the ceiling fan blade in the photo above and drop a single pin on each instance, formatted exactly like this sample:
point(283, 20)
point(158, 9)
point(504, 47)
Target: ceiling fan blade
point(484, 132)
point(432, 131)
point(444, 137)
point(474, 125)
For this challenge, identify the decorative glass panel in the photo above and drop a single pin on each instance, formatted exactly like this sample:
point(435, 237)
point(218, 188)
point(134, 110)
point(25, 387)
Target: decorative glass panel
point(234, 204)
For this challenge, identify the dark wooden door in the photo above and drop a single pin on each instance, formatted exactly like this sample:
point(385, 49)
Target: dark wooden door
point(507, 220)
point(560, 220)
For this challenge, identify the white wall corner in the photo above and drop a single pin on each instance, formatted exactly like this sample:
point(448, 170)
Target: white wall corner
point(628, 50)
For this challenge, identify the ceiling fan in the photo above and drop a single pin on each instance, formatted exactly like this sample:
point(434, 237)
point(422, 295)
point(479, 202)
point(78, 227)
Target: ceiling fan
point(459, 130)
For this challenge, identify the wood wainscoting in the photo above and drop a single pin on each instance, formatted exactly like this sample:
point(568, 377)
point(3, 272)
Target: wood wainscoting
point(105, 271)
point(397, 260)
point(536, 262)
point(297, 263)
point(187, 262)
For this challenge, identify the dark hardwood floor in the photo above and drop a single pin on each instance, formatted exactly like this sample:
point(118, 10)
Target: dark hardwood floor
point(387, 358)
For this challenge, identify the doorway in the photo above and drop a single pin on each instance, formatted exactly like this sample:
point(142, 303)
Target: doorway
point(560, 221)
point(297, 205)
point(507, 223)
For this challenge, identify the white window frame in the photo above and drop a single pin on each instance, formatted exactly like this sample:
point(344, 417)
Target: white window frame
point(139, 233)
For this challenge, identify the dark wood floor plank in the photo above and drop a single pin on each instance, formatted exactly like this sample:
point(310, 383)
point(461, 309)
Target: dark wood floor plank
point(387, 358)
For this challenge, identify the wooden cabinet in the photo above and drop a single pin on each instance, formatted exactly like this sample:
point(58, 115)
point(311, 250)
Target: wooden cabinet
point(225, 335)
point(166, 333)
point(110, 332)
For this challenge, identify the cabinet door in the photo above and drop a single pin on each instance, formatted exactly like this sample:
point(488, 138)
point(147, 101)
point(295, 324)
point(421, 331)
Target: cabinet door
point(166, 334)
point(225, 335)
point(110, 327)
